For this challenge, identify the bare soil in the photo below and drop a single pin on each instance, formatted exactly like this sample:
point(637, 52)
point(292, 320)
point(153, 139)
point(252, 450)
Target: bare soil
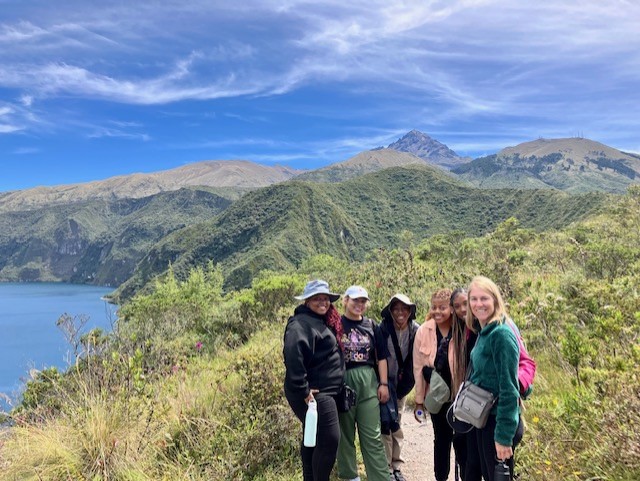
point(418, 449)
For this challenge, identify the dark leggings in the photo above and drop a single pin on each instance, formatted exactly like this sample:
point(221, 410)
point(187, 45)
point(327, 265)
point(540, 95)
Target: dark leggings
point(484, 448)
point(443, 439)
point(318, 462)
point(470, 469)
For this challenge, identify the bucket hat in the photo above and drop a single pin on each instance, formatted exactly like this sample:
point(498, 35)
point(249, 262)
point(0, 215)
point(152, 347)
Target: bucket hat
point(386, 310)
point(356, 292)
point(315, 287)
point(438, 394)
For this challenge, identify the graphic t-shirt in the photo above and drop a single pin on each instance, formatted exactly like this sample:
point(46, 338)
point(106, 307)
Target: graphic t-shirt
point(362, 342)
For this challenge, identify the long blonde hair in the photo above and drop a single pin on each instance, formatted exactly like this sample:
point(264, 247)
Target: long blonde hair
point(487, 285)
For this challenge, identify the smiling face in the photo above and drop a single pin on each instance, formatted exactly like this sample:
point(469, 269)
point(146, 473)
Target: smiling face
point(460, 305)
point(440, 312)
point(400, 313)
point(354, 309)
point(482, 304)
point(319, 304)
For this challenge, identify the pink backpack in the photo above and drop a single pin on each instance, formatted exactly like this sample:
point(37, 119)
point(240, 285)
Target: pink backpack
point(526, 364)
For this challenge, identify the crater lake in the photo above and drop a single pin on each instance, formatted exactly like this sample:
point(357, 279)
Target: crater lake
point(30, 336)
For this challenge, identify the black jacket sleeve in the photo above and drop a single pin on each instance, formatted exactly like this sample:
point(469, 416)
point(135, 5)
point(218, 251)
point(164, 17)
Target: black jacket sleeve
point(298, 351)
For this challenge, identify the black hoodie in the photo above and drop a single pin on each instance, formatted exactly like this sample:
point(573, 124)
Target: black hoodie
point(312, 356)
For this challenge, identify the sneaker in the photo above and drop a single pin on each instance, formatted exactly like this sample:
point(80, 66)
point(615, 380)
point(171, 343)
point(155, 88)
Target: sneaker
point(397, 474)
point(357, 478)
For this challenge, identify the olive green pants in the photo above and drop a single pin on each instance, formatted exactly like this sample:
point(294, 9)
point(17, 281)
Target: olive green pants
point(366, 416)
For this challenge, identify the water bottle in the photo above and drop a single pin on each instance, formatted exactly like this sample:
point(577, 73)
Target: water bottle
point(311, 424)
point(420, 414)
point(501, 471)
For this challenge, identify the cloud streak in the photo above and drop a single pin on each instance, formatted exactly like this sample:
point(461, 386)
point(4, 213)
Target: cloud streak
point(521, 67)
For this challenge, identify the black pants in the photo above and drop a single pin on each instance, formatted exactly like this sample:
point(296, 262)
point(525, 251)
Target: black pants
point(318, 462)
point(470, 469)
point(482, 452)
point(443, 439)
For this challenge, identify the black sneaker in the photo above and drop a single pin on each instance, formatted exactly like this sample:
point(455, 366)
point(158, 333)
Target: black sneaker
point(398, 475)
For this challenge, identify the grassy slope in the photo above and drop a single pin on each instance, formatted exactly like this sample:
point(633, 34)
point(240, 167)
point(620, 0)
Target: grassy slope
point(217, 412)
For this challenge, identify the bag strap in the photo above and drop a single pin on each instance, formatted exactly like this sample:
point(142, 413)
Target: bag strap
point(396, 347)
point(516, 333)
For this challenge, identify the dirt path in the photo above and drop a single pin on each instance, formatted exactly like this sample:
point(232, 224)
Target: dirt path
point(418, 449)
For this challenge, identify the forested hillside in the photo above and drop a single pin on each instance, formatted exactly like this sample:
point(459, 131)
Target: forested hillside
point(96, 241)
point(279, 226)
point(189, 386)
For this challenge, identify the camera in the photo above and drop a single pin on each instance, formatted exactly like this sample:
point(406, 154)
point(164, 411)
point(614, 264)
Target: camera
point(501, 472)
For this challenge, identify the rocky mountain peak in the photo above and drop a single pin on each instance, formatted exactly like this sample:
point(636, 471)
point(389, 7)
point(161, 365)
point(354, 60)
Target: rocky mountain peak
point(429, 149)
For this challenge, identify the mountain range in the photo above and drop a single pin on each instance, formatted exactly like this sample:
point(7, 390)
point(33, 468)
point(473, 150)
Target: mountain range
point(572, 165)
point(247, 217)
point(231, 178)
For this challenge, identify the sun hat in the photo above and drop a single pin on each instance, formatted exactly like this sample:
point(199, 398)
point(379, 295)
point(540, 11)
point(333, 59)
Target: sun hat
point(315, 287)
point(356, 292)
point(438, 393)
point(386, 310)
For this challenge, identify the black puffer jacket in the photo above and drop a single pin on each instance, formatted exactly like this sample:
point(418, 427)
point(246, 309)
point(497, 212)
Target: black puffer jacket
point(312, 356)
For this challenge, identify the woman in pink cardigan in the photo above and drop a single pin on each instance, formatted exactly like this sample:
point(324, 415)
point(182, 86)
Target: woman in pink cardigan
point(433, 352)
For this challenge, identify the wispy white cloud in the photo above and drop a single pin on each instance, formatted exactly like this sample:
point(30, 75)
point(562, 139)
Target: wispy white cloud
point(8, 128)
point(447, 61)
point(25, 151)
point(120, 133)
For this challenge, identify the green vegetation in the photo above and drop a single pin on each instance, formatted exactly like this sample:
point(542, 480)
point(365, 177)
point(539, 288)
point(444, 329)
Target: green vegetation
point(97, 241)
point(189, 386)
point(279, 226)
point(551, 171)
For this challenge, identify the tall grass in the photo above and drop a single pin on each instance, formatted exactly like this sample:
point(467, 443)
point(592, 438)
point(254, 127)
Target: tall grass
point(190, 384)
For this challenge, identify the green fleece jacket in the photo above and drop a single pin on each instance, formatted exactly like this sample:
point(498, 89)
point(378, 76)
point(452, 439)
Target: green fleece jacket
point(495, 368)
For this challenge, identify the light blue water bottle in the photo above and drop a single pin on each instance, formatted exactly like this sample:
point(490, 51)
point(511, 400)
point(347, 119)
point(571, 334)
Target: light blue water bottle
point(311, 424)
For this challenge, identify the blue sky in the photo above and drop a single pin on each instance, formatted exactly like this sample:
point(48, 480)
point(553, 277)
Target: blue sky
point(92, 89)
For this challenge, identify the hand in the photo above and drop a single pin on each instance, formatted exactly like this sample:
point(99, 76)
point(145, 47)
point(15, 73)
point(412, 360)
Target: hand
point(503, 452)
point(418, 412)
point(383, 393)
point(310, 396)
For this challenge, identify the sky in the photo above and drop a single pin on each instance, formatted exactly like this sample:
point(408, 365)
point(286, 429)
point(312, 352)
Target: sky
point(93, 89)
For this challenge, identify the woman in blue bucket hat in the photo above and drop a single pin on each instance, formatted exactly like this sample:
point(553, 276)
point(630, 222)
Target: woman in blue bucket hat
point(314, 369)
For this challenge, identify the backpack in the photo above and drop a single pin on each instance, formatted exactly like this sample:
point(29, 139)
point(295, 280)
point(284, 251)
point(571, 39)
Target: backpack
point(526, 364)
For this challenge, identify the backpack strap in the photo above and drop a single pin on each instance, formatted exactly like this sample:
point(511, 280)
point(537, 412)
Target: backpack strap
point(396, 347)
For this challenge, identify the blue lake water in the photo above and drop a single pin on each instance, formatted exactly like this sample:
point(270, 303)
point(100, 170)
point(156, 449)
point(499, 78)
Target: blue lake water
point(30, 338)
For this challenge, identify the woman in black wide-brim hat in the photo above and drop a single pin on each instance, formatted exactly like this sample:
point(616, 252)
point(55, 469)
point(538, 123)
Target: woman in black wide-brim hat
point(315, 370)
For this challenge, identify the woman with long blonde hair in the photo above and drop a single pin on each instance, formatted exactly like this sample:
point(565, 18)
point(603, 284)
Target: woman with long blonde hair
point(494, 367)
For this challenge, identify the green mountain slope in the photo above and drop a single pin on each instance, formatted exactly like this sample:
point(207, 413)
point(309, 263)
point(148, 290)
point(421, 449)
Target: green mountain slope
point(95, 241)
point(279, 226)
point(572, 165)
point(363, 163)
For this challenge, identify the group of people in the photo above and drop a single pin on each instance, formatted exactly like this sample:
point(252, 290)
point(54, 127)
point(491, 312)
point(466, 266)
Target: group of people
point(465, 336)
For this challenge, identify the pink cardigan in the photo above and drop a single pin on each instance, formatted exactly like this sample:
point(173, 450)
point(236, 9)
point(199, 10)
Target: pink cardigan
point(425, 346)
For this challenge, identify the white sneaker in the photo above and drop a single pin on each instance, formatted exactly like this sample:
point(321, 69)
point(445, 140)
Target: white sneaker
point(357, 478)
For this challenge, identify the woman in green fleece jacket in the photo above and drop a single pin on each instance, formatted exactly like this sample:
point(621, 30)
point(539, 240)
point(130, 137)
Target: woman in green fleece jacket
point(495, 368)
